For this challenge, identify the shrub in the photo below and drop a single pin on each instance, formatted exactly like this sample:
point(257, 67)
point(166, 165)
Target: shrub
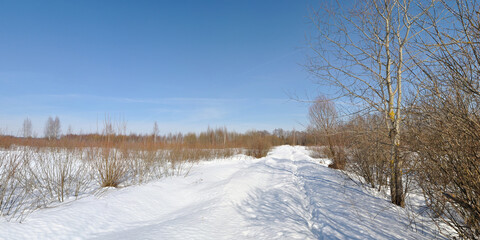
point(13, 192)
point(111, 166)
point(339, 158)
point(258, 147)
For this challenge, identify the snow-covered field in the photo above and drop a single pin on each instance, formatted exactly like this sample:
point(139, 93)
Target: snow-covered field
point(286, 195)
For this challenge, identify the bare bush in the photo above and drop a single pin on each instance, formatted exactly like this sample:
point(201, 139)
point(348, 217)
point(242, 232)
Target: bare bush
point(258, 146)
point(369, 150)
point(146, 165)
point(317, 152)
point(445, 122)
point(13, 192)
point(110, 164)
point(59, 173)
point(448, 145)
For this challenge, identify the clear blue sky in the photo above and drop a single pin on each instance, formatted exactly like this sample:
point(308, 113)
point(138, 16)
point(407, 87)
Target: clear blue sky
point(185, 64)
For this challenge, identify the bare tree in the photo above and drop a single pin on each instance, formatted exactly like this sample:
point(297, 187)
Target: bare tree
point(48, 132)
point(52, 128)
point(362, 52)
point(155, 132)
point(108, 128)
point(57, 128)
point(69, 130)
point(27, 128)
point(324, 125)
point(323, 115)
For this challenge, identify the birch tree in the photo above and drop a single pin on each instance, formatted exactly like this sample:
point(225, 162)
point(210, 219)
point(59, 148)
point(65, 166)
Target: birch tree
point(155, 132)
point(52, 128)
point(363, 50)
point(27, 128)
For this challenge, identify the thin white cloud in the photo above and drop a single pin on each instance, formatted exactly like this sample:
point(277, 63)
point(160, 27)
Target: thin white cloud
point(208, 114)
point(172, 100)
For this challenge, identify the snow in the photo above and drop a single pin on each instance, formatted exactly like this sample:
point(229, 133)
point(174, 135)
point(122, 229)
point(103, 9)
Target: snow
point(286, 195)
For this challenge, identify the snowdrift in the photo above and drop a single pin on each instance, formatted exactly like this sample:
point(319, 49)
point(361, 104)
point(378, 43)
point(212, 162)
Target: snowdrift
point(286, 195)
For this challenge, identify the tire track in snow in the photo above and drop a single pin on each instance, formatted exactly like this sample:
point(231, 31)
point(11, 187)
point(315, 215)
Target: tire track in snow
point(286, 204)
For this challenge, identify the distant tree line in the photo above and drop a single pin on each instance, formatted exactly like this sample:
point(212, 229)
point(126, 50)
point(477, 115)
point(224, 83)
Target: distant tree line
point(115, 134)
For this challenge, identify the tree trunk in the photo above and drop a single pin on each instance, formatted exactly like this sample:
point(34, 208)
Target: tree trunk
point(396, 183)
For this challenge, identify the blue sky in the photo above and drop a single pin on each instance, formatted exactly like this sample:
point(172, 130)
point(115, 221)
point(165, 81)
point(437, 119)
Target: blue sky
point(185, 64)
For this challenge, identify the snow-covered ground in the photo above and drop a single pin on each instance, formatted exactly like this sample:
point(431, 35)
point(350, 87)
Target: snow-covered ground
point(286, 195)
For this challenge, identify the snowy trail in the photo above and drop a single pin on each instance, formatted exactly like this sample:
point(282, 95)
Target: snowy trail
point(286, 195)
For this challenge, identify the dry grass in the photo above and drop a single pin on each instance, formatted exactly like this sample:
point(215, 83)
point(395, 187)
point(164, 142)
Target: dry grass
point(35, 172)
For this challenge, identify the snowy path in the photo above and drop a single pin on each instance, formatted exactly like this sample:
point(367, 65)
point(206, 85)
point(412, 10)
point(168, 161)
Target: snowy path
point(286, 195)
